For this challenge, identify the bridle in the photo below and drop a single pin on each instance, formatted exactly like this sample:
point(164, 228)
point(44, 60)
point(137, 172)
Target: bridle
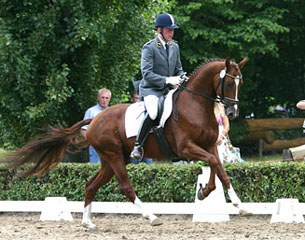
point(222, 77)
point(226, 100)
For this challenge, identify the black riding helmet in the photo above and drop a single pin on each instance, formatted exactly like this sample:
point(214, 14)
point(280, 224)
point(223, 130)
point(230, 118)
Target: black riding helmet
point(166, 20)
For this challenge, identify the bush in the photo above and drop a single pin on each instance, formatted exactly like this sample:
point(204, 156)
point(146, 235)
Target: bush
point(266, 182)
point(253, 182)
point(152, 183)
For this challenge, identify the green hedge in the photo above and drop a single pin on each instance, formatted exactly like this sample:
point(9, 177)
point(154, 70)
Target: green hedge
point(153, 183)
point(253, 182)
point(266, 182)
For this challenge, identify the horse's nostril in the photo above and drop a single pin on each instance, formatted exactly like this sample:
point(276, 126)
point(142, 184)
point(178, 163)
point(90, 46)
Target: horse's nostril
point(232, 115)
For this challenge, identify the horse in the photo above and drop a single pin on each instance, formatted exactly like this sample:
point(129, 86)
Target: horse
point(191, 131)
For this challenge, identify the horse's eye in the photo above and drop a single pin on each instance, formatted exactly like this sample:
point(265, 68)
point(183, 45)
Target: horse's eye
point(229, 84)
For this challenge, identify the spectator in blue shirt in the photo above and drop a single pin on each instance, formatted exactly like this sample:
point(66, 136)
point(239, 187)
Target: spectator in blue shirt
point(103, 100)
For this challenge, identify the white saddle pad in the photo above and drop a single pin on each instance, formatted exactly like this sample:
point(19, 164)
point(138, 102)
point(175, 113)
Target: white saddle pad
point(135, 115)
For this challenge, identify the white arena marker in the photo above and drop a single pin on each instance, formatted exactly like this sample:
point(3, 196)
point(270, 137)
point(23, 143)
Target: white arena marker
point(215, 202)
point(287, 210)
point(56, 209)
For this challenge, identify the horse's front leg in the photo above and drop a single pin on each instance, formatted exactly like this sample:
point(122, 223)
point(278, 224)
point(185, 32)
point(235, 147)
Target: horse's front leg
point(204, 191)
point(237, 203)
point(195, 152)
point(222, 175)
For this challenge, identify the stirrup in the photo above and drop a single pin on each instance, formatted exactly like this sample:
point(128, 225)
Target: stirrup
point(137, 153)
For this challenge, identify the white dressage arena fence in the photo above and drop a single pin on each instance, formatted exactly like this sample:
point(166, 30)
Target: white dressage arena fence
point(212, 209)
point(289, 210)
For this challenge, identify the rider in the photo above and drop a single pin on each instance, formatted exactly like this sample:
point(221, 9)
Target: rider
point(161, 67)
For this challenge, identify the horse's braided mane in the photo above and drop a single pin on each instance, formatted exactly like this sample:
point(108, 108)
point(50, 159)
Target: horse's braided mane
point(203, 64)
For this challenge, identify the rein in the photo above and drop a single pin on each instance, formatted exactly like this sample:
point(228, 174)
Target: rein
point(182, 87)
point(220, 99)
point(198, 94)
point(224, 100)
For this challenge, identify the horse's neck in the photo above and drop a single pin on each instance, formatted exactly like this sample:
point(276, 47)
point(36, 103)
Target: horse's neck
point(196, 103)
point(202, 82)
point(202, 93)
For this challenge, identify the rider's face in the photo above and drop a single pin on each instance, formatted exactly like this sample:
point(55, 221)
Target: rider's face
point(168, 33)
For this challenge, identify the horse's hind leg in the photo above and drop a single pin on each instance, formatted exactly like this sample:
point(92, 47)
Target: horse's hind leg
point(100, 179)
point(154, 220)
point(128, 190)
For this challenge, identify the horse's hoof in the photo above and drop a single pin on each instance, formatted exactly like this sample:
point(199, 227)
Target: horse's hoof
point(155, 222)
point(199, 194)
point(245, 213)
point(89, 225)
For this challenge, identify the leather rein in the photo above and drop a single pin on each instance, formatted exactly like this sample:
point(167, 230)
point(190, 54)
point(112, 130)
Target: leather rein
point(224, 100)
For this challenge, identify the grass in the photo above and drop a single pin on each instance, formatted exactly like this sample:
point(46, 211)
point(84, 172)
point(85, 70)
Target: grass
point(2, 151)
point(266, 158)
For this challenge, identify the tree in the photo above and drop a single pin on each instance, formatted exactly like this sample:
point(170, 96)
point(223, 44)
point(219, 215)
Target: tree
point(282, 77)
point(265, 31)
point(55, 55)
point(270, 33)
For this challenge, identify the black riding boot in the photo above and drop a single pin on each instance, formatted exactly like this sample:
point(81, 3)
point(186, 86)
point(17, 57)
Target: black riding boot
point(138, 152)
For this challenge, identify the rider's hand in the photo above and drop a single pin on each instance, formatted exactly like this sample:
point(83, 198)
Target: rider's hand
point(173, 80)
point(184, 77)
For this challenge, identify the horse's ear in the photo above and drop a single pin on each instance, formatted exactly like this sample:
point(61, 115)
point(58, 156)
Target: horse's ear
point(228, 61)
point(242, 63)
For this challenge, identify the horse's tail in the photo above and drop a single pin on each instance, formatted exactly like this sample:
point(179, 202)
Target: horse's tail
point(46, 151)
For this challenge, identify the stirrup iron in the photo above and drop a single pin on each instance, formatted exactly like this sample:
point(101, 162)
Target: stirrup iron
point(137, 153)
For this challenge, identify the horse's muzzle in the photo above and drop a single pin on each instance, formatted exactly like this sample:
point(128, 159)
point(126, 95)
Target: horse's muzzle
point(231, 107)
point(232, 112)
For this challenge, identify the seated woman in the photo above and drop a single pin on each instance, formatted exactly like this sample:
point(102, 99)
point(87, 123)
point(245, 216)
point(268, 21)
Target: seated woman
point(227, 153)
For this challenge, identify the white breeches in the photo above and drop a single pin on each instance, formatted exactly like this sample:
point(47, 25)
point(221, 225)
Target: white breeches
point(151, 104)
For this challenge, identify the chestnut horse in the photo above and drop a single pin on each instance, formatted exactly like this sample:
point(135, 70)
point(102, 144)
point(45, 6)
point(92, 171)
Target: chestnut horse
point(191, 131)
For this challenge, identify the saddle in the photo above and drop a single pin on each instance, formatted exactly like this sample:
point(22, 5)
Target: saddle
point(135, 114)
